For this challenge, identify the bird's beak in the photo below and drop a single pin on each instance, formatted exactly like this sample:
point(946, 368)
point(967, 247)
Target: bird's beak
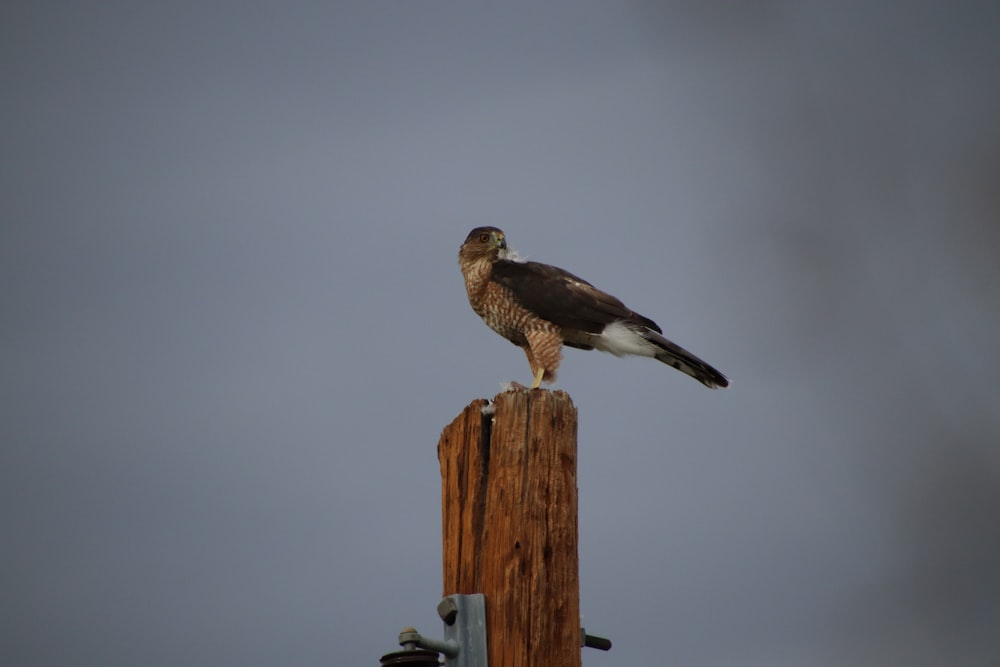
point(501, 241)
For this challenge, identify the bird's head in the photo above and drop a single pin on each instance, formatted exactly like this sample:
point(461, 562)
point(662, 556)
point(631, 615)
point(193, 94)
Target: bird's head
point(483, 243)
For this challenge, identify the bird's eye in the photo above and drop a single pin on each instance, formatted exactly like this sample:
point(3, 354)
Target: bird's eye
point(484, 237)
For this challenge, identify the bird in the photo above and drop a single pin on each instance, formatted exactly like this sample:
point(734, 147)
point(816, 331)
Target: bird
point(540, 308)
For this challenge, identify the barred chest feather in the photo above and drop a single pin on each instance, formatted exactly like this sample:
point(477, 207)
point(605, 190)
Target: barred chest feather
point(499, 308)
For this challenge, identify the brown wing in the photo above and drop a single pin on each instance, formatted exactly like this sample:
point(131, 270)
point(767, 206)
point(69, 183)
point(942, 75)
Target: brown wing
point(562, 298)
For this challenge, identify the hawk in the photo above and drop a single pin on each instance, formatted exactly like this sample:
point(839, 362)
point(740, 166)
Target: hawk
point(540, 308)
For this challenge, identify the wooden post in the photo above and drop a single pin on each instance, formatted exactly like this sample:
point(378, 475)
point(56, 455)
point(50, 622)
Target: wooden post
point(509, 505)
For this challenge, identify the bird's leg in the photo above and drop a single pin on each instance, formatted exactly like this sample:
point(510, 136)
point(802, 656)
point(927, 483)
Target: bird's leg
point(543, 350)
point(536, 368)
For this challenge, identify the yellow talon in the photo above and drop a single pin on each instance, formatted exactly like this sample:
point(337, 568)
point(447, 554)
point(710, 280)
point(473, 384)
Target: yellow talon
point(537, 382)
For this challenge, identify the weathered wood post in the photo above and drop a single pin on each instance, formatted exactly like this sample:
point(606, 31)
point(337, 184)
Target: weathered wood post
point(509, 506)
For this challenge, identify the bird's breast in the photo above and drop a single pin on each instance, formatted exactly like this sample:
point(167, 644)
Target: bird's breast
point(502, 313)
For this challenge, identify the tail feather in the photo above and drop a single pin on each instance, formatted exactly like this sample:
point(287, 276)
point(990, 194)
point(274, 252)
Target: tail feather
point(677, 357)
point(623, 337)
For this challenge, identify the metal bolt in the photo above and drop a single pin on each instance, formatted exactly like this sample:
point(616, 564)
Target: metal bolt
point(409, 639)
point(593, 641)
point(447, 610)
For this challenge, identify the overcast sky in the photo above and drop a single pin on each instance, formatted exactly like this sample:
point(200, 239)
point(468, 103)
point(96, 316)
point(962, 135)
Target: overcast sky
point(232, 324)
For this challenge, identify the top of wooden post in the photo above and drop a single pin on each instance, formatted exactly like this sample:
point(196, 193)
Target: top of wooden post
point(509, 523)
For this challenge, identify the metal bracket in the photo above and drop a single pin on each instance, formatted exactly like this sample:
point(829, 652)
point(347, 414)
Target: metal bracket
point(464, 643)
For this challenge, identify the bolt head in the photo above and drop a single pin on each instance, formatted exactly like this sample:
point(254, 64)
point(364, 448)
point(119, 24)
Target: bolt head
point(447, 610)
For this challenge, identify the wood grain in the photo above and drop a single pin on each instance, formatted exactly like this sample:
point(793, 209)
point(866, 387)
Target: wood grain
point(509, 521)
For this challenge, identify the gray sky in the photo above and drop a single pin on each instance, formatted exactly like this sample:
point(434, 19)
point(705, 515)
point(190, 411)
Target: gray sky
point(233, 325)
